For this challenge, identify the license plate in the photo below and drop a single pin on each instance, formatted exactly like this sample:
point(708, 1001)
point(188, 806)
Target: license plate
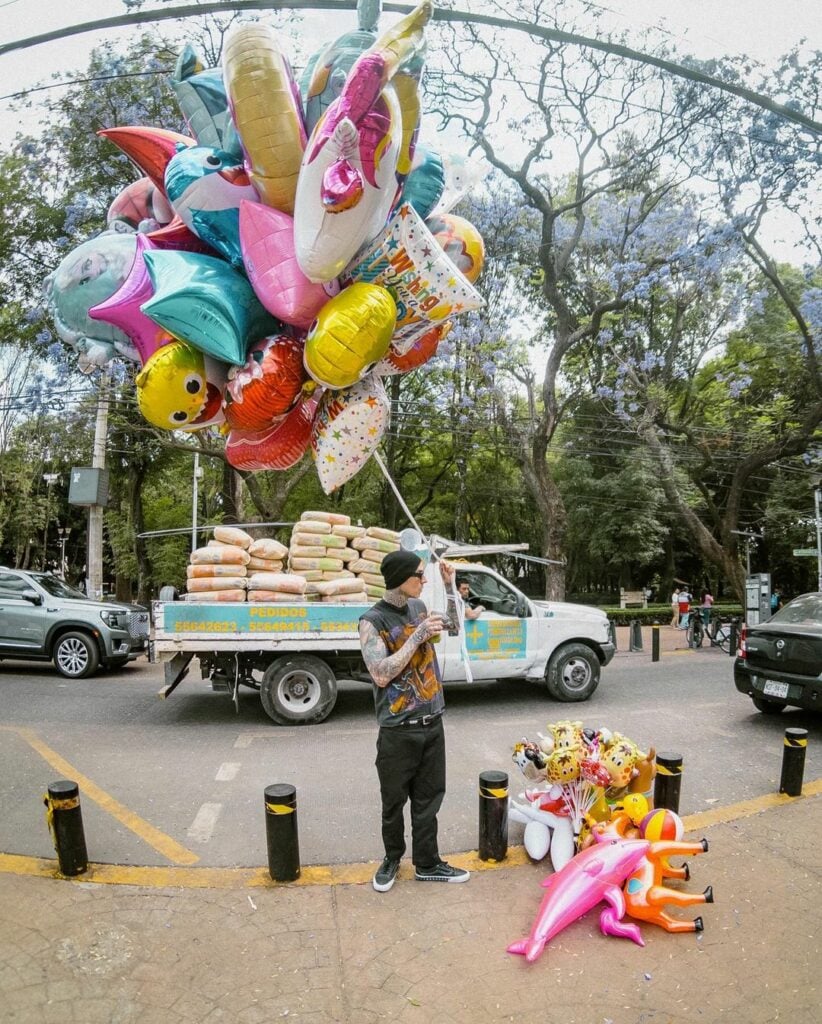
point(774, 689)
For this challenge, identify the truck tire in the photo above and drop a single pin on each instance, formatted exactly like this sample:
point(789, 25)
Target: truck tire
point(573, 673)
point(298, 689)
point(75, 656)
point(168, 594)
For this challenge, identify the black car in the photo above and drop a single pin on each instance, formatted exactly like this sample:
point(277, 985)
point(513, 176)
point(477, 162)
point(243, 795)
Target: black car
point(780, 661)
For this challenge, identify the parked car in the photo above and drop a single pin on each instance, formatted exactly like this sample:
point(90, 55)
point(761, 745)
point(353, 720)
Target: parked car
point(780, 661)
point(42, 618)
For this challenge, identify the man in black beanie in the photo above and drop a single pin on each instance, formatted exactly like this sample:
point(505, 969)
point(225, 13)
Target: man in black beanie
point(395, 637)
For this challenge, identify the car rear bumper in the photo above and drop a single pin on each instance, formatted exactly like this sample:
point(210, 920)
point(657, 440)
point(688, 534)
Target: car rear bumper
point(803, 691)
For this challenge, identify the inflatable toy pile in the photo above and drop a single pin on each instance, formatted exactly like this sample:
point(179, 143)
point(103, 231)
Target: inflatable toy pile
point(269, 269)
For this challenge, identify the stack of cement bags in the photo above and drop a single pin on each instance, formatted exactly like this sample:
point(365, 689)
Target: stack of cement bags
point(320, 552)
point(276, 586)
point(374, 544)
point(219, 571)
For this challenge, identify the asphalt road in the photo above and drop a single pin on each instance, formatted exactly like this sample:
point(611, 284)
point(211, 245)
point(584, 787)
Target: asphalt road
point(188, 773)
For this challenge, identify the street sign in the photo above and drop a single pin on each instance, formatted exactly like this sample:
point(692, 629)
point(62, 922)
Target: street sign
point(805, 552)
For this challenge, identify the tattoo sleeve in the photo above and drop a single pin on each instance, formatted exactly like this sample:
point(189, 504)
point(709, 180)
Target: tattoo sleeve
point(453, 615)
point(382, 667)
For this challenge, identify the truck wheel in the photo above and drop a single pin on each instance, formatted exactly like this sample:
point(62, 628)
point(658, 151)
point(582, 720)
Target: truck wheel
point(767, 707)
point(75, 656)
point(168, 594)
point(573, 673)
point(298, 689)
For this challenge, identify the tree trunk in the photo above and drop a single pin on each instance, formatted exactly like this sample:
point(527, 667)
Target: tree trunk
point(553, 519)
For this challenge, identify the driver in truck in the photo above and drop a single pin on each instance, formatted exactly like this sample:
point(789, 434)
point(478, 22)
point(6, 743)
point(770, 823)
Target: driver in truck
point(396, 640)
point(470, 609)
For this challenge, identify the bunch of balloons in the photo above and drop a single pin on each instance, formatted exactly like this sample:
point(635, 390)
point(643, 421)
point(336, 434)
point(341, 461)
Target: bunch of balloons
point(270, 269)
point(578, 776)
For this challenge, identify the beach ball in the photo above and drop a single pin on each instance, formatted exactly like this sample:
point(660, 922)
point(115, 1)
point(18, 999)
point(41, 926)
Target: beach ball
point(661, 824)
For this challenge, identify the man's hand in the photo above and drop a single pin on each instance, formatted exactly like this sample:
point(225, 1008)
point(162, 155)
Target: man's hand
point(432, 624)
point(447, 573)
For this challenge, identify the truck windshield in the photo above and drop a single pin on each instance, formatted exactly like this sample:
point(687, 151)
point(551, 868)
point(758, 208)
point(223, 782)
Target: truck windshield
point(56, 587)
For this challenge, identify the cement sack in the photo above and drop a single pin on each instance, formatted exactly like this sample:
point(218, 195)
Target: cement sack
point(281, 581)
point(370, 555)
point(312, 526)
point(219, 596)
point(307, 574)
point(333, 542)
point(209, 584)
point(227, 554)
point(372, 579)
point(334, 518)
point(346, 555)
point(379, 532)
point(200, 571)
point(265, 564)
point(375, 592)
point(359, 598)
point(341, 574)
point(374, 544)
point(331, 587)
point(307, 551)
point(305, 540)
point(363, 565)
point(267, 547)
point(232, 535)
point(279, 597)
point(323, 564)
point(348, 531)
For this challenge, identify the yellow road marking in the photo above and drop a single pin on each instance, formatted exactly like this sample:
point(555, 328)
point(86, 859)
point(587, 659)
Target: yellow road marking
point(158, 840)
point(340, 874)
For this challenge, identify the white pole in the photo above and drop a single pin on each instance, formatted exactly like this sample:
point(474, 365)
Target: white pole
point(194, 501)
point(94, 567)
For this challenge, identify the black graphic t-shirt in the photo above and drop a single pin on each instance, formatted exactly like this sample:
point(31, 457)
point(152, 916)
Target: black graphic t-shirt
point(417, 690)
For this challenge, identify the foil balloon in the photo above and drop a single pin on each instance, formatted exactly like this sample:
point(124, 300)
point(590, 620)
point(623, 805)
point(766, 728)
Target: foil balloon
point(265, 105)
point(205, 187)
point(421, 351)
point(460, 241)
point(267, 386)
point(460, 176)
point(279, 446)
point(150, 149)
point(201, 97)
point(327, 69)
point(175, 235)
point(348, 178)
point(122, 309)
point(181, 389)
point(347, 429)
point(594, 875)
point(427, 286)
point(351, 333)
point(426, 181)
point(140, 205)
point(88, 275)
point(267, 242)
point(202, 300)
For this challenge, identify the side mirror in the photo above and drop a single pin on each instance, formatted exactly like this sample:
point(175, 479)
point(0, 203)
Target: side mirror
point(32, 596)
point(522, 608)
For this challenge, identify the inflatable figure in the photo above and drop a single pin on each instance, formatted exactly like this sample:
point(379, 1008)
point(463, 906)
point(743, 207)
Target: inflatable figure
point(593, 875)
point(181, 389)
point(646, 896)
point(201, 97)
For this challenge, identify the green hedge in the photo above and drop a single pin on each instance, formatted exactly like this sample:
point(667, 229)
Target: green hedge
point(659, 614)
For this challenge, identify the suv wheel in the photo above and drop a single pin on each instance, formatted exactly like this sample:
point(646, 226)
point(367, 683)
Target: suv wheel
point(75, 656)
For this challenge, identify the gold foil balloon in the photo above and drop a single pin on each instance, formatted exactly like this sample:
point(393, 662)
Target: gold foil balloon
point(459, 240)
point(179, 388)
point(351, 333)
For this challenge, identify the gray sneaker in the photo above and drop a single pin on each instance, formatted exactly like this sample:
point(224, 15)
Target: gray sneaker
point(442, 872)
point(385, 875)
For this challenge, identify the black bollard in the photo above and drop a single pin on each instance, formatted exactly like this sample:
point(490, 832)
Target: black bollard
point(281, 832)
point(655, 643)
point(793, 761)
point(65, 821)
point(636, 636)
point(733, 639)
point(612, 632)
point(493, 815)
point(668, 781)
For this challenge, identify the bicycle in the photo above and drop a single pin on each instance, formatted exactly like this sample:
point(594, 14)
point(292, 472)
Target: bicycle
point(720, 636)
point(696, 630)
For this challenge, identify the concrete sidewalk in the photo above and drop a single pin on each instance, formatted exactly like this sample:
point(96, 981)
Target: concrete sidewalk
point(76, 951)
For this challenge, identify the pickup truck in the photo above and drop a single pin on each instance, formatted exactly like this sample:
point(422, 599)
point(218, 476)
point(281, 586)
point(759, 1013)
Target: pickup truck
point(293, 654)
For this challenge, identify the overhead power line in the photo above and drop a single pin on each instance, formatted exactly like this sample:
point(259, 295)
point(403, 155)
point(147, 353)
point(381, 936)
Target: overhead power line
point(440, 14)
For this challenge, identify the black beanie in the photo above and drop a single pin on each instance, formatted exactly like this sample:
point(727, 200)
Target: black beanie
point(397, 567)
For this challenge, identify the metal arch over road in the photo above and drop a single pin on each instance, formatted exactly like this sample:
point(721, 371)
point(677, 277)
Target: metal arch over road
point(440, 14)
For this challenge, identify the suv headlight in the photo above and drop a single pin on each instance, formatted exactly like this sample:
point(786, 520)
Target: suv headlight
point(113, 619)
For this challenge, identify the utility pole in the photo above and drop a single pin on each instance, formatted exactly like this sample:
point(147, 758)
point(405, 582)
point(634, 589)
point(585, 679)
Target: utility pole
point(195, 493)
point(94, 557)
point(817, 495)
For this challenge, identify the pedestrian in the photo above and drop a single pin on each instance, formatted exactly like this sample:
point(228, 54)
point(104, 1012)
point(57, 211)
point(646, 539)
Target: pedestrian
point(396, 641)
point(705, 604)
point(684, 607)
point(675, 607)
point(776, 600)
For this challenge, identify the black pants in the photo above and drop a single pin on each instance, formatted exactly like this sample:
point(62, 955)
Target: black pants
point(411, 764)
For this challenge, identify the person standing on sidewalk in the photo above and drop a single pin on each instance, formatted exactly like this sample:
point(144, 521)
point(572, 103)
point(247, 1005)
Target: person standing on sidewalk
point(675, 607)
point(396, 641)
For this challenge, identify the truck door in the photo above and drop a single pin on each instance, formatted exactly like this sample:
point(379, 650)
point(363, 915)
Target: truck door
point(497, 640)
point(22, 624)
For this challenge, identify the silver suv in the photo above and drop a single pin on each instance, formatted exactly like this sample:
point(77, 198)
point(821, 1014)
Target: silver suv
point(44, 619)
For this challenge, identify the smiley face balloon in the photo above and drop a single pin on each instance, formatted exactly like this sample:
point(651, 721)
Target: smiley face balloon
point(180, 388)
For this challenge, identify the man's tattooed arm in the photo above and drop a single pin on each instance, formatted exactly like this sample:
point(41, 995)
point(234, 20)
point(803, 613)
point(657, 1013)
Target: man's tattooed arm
point(384, 667)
